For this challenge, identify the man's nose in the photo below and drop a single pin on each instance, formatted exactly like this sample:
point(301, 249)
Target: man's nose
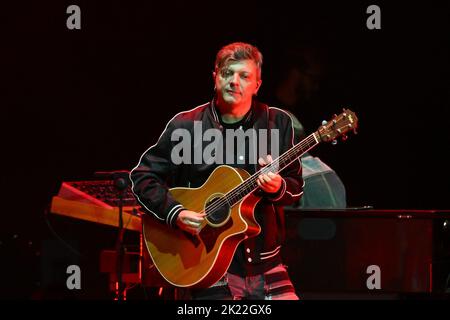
point(234, 79)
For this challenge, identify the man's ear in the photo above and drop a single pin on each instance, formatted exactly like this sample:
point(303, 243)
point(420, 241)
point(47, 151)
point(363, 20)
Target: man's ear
point(214, 75)
point(258, 85)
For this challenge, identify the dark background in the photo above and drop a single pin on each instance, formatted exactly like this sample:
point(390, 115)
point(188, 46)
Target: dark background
point(80, 101)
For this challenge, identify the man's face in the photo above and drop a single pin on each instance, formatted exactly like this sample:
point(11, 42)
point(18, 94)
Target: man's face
point(237, 82)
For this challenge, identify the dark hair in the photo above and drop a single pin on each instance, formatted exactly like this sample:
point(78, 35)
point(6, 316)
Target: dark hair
point(238, 51)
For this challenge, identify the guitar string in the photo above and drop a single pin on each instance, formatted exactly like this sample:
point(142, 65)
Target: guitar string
point(250, 182)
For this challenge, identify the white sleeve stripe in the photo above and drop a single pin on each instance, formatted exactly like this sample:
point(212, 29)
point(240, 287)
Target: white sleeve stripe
point(272, 255)
point(298, 194)
point(295, 195)
point(270, 252)
point(174, 214)
point(171, 212)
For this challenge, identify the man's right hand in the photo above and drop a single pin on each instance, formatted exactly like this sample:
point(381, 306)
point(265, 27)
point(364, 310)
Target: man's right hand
point(190, 221)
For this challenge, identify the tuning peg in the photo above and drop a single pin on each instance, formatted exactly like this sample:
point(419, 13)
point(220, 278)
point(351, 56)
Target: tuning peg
point(344, 137)
point(334, 142)
point(354, 131)
point(324, 122)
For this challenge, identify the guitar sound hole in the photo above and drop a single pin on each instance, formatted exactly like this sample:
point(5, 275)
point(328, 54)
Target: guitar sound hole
point(217, 212)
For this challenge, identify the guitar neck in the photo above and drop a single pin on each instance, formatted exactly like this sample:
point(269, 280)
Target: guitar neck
point(249, 185)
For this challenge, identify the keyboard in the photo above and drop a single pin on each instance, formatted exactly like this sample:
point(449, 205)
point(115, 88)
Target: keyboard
point(103, 190)
point(97, 201)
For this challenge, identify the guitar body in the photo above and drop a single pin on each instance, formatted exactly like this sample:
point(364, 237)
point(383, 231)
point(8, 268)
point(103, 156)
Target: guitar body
point(185, 260)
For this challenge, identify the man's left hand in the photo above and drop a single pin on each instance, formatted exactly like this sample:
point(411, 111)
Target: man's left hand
point(270, 182)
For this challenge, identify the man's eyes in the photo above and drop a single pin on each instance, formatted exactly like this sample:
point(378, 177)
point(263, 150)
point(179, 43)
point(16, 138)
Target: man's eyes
point(229, 73)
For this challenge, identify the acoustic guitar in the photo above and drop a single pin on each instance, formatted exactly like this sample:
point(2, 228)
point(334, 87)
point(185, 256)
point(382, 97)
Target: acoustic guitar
point(228, 200)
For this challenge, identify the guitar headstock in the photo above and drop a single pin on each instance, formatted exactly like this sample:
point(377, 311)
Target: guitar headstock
point(338, 126)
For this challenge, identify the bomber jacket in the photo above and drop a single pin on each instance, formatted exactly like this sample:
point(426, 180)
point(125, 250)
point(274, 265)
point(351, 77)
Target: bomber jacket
point(156, 172)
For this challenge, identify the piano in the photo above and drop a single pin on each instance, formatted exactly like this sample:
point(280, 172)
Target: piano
point(96, 201)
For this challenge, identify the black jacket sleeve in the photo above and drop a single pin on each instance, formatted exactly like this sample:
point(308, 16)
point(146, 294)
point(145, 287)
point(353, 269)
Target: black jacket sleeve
point(151, 176)
point(292, 185)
